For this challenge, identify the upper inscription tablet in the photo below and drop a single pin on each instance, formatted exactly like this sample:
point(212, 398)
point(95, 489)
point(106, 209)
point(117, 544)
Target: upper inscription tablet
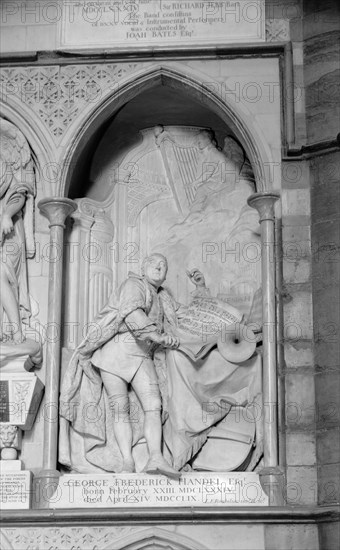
point(158, 23)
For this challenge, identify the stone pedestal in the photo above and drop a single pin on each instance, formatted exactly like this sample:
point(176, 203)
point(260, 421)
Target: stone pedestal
point(21, 394)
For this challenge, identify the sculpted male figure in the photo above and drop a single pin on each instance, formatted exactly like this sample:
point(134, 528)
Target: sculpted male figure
point(132, 326)
point(125, 360)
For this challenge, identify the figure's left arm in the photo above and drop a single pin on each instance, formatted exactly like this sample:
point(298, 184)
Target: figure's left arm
point(142, 328)
point(139, 324)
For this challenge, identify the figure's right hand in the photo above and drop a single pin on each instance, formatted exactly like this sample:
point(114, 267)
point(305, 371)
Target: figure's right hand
point(165, 340)
point(169, 341)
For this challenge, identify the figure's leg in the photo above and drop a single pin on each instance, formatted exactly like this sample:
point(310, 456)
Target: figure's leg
point(10, 305)
point(145, 384)
point(117, 392)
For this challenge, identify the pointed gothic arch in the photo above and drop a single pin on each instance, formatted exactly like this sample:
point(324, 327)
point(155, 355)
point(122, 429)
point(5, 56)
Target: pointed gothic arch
point(155, 538)
point(246, 130)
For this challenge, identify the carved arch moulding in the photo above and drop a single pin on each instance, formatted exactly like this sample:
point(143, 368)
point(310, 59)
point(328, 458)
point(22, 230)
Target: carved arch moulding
point(196, 85)
point(65, 104)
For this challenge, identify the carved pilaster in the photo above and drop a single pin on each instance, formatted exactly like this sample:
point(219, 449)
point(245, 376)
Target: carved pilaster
point(264, 203)
point(89, 273)
point(56, 210)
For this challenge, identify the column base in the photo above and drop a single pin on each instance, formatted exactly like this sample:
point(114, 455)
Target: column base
point(45, 486)
point(272, 480)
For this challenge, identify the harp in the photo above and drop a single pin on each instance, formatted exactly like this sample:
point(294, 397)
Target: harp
point(180, 157)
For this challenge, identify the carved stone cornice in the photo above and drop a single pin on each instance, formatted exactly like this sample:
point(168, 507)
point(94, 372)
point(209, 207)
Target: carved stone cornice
point(313, 150)
point(100, 55)
point(213, 514)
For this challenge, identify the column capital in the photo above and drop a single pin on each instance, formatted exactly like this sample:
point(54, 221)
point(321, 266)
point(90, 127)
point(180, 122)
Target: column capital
point(56, 209)
point(264, 204)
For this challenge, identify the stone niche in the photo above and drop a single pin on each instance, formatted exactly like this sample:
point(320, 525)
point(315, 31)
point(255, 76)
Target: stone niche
point(169, 176)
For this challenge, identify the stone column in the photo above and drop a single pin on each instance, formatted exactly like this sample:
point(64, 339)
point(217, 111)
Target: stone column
point(271, 475)
point(56, 209)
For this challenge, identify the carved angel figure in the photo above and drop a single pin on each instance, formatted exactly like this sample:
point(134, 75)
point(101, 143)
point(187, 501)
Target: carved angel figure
point(215, 171)
point(17, 190)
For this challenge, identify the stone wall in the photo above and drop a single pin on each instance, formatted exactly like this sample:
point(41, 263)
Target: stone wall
point(297, 369)
point(321, 31)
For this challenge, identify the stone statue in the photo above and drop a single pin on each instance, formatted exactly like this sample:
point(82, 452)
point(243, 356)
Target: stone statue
point(128, 329)
point(17, 190)
point(113, 371)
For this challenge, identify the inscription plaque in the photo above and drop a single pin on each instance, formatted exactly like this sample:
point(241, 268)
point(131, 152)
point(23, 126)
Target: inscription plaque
point(151, 23)
point(4, 401)
point(140, 490)
point(15, 490)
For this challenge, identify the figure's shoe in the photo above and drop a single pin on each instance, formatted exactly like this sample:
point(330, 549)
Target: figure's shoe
point(128, 467)
point(158, 465)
